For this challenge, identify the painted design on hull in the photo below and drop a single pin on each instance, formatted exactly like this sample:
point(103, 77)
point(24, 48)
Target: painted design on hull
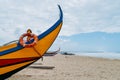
point(14, 57)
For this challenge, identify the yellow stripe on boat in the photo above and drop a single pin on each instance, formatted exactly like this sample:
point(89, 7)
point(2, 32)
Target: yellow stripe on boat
point(23, 53)
point(46, 42)
point(3, 48)
point(13, 67)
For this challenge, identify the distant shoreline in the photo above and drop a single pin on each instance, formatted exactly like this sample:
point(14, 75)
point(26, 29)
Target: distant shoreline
point(106, 55)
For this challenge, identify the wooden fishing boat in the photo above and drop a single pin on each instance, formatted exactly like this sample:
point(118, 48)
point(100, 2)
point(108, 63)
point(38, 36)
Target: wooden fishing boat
point(14, 57)
point(53, 53)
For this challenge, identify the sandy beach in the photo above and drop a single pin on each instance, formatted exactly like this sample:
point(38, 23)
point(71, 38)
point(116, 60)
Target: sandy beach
point(71, 67)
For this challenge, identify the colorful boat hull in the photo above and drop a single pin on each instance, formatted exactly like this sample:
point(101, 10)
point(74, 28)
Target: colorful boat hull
point(14, 57)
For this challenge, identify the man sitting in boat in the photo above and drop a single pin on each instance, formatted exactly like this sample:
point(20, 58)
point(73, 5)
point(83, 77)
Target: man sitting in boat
point(29, 40)
point(30, 35)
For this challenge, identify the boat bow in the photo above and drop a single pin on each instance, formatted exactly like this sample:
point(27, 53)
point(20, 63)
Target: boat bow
point(14, 57)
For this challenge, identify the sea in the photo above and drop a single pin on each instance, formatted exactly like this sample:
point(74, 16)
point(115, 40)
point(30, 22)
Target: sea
point(98, 54)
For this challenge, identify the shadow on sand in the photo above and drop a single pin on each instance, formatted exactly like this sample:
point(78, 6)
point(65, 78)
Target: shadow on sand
point(42, 67)
point(37, 63)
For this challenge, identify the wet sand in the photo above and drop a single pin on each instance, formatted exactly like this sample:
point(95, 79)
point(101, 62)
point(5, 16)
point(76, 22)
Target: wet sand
point(71, 67)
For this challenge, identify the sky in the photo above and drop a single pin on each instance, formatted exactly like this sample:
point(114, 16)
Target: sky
point(88, 25)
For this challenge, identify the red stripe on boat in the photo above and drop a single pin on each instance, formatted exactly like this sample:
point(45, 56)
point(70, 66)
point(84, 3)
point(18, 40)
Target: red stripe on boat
point(6, 62)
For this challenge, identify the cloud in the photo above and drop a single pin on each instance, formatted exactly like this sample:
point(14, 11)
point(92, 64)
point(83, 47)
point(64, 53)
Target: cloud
point(94, 15)
point(80, 16)
point(17, 16)
point(65, 44)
